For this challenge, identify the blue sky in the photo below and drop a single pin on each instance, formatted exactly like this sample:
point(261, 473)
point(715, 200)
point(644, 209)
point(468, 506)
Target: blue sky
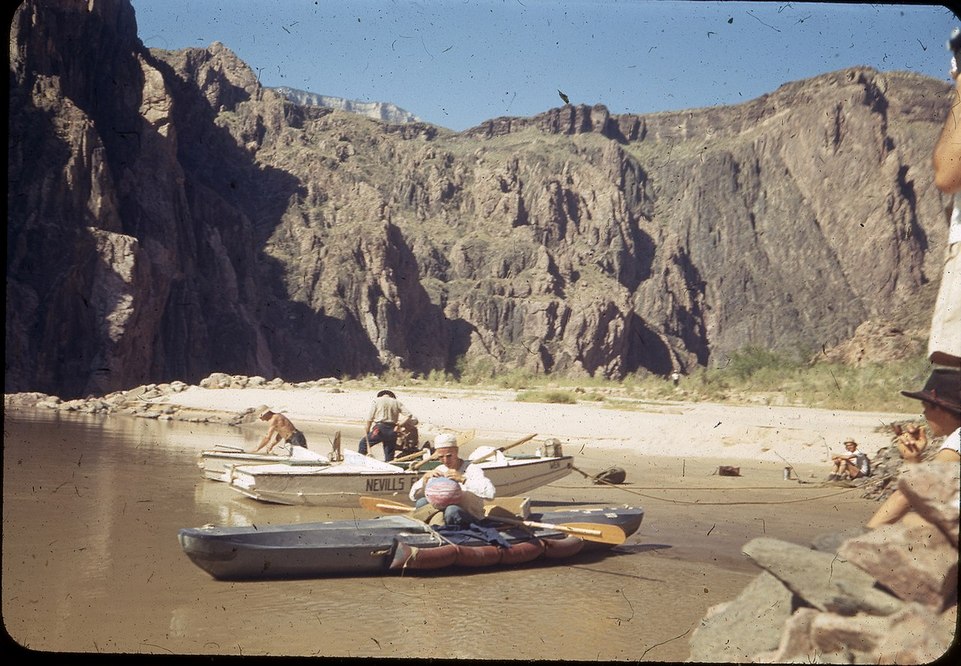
point(456, 63)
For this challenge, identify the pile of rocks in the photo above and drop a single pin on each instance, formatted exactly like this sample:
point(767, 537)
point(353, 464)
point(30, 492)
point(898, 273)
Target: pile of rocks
point(149, 402)
point(885, 596)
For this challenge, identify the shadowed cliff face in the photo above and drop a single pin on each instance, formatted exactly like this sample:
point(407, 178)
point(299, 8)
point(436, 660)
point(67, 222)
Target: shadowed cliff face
point(168, 217)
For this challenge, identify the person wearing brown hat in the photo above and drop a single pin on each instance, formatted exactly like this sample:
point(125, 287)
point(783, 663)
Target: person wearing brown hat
point(941, 401)
point(386, 413)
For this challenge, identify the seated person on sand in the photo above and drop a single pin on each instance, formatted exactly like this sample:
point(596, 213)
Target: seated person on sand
point(455, 487)
point(941, 399)
point(280, 430)
point(853, 464)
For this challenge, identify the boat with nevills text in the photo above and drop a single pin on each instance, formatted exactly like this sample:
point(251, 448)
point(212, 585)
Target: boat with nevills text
point(397, 544)
point(341, 484)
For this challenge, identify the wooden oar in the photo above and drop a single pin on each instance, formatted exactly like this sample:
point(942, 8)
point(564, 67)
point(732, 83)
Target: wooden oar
point(384, 505)
point(409, 456)
point(609, 534)
point(505, 448)
point(599, 532)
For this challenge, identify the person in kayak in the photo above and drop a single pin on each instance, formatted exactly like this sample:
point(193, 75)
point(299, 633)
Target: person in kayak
point(280, 429)
point(455, 487)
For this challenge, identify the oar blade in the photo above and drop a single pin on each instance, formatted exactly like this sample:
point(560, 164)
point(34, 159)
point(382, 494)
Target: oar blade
point(599, 532)
point(382, 505)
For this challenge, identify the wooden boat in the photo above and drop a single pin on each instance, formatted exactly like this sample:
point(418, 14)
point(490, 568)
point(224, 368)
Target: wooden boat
point(216, 463)
point(391, 544)
point(342, 484)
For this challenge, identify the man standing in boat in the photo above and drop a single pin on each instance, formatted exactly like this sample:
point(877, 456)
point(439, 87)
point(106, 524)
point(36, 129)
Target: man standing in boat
point(386, 412)
point(455, 487)
point(280, 430)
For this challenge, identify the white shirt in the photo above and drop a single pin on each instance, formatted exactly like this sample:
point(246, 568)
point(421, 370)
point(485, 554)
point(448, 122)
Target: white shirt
point(952, 442)
point(475, 481)
point(386, 409)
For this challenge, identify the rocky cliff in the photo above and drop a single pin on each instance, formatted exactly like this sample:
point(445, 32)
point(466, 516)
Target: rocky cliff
point(169, 217)
point(389, 113)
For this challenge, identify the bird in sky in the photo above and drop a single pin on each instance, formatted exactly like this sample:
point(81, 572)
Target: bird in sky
point(564, 97)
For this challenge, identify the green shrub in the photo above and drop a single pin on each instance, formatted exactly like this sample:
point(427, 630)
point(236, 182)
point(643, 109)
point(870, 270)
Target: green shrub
point(547, 395)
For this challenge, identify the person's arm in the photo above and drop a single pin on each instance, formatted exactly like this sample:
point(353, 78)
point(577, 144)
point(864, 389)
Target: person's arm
point(897, 505)
point(417, 490)
point(947, 152)
point(266, 439)
point(947, 455)
point(273, 441)
point(892, 509)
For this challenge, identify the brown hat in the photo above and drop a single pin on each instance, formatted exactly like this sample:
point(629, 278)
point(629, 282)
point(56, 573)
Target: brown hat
point(943, 389)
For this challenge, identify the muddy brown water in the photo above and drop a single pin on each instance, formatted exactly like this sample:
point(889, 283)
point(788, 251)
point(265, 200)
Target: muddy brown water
point(91, 561)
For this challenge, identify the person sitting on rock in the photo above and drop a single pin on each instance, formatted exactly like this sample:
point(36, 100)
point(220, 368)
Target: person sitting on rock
point(941, 398)
point(853, 464)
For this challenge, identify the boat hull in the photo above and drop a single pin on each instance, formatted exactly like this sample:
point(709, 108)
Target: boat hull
point(217, 464)
point(388, 544)
point(325, 486)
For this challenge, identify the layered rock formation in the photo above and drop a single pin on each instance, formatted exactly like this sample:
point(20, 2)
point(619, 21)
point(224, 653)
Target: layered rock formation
point(889, 596)
point(385, 111)
point(169, 217)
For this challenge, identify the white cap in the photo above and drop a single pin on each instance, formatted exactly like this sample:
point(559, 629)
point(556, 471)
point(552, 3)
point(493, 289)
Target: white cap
point(445, 440)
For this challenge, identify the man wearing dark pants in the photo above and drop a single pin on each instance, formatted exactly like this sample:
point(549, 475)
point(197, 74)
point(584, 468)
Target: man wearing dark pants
point(385, 412)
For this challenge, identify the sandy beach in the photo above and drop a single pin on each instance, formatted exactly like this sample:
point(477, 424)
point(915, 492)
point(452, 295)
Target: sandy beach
point(762, 434)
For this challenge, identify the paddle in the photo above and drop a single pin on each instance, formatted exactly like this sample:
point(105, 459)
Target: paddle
point(384, 506)
point(608, 534)
point(409, 456)
point(505, 448)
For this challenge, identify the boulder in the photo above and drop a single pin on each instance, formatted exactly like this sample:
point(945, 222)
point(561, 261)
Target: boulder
point(916, 562)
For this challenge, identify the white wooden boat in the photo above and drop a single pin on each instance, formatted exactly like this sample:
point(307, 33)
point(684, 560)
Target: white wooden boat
point(216, 463)
point(343, 483)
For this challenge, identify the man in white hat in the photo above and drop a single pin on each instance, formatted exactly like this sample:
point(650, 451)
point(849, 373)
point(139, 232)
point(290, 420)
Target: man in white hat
point(475, 487)
point(852, 464)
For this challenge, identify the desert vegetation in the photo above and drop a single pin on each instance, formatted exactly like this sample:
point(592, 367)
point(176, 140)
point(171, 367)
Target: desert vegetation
point(750, 376)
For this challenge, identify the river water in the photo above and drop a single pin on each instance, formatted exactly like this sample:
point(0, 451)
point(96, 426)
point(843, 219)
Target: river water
point(91, 564)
